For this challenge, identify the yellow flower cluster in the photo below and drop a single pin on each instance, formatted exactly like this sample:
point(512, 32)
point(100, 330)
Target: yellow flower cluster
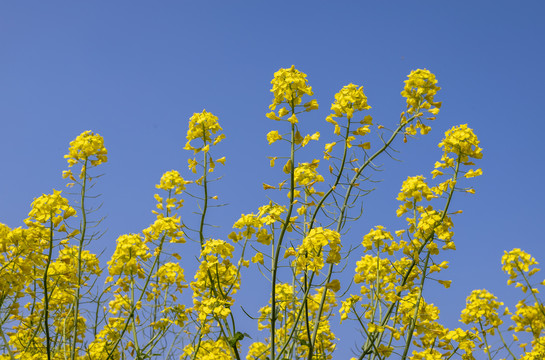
point(203, 126)
point(21, 254)
point(87, 146)
point(310, 254)
point(420, 90)
point(171, 273)
point(254, 224)
point(270, 213)
point(529, 318)
point(287, 303)
point(101, 346)
point(374, 272)
point(350, 99)
point(517, 262)
point(413, 190)
point(538, 350)
point(464, 338)
point(130, 254)
point(461, 141)
point(375, 238)
point(482, 308)
point(325, 340)
point(208, 350)
point(172, 180)
point(257, 351)
point(305, 174)
point(289, 86)
point(62, 273)
point(427, 328)
point(52, 207)
point(347, 101)
point(215, 281)
point(165, 227)
point(213, 248)
point(303, 141)
point(250, 223)
point(346, 306)
point(273, 136)
point(430, 222)
point(428, 354)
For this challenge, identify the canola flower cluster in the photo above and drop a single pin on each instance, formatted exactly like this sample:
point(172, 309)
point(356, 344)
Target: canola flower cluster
point(349, 100)
point(88, 147)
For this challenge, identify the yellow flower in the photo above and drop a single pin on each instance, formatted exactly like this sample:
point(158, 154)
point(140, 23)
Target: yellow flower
point(52, 207)
point(375, 238)
point(130, 253)
point(289, 86)
point(306, 174)
point(311, 105)
point(283, 112)
point(273, 136)
point(165, 226)
point(310, 254)
point(413, 190)
point(87, 146)
point(473, 173)
point(334, 285)
point(171, 180)
point(272, 116)
point(420, 90)
point(171, 274)
point(346, 306)
point(350, 99)
point(258, 258)
point(517, 262)
point(293, 119)
point(481, 307)
point(203, 126)
point(461, 141)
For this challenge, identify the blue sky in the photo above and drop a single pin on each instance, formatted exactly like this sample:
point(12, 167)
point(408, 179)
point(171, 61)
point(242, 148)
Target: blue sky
point(135, 72)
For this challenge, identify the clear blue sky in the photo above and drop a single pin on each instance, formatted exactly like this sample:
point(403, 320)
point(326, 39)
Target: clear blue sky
point(135, 71)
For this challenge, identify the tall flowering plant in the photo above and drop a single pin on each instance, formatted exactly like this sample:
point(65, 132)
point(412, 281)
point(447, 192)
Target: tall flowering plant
point(57, 302)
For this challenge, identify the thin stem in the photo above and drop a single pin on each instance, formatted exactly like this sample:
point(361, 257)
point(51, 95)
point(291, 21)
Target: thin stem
point(415, 316)
point(505, 344)
point(80, 250)
point(276, 255)
point(133, 320)
point(487, 349)
point(6, 344)
point(46, 296)
point(205, 186)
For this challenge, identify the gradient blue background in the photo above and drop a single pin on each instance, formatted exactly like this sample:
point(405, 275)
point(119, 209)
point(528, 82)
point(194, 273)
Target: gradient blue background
point(135, 71)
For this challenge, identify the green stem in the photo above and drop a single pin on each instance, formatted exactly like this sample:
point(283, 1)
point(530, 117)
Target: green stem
point(6, 344)
point(505, 344)
point(80, 250)
point(415, 316)
point(485, 341)
point(276, 255)
point(133, 320)
point(205, 186)
point(46, 295)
